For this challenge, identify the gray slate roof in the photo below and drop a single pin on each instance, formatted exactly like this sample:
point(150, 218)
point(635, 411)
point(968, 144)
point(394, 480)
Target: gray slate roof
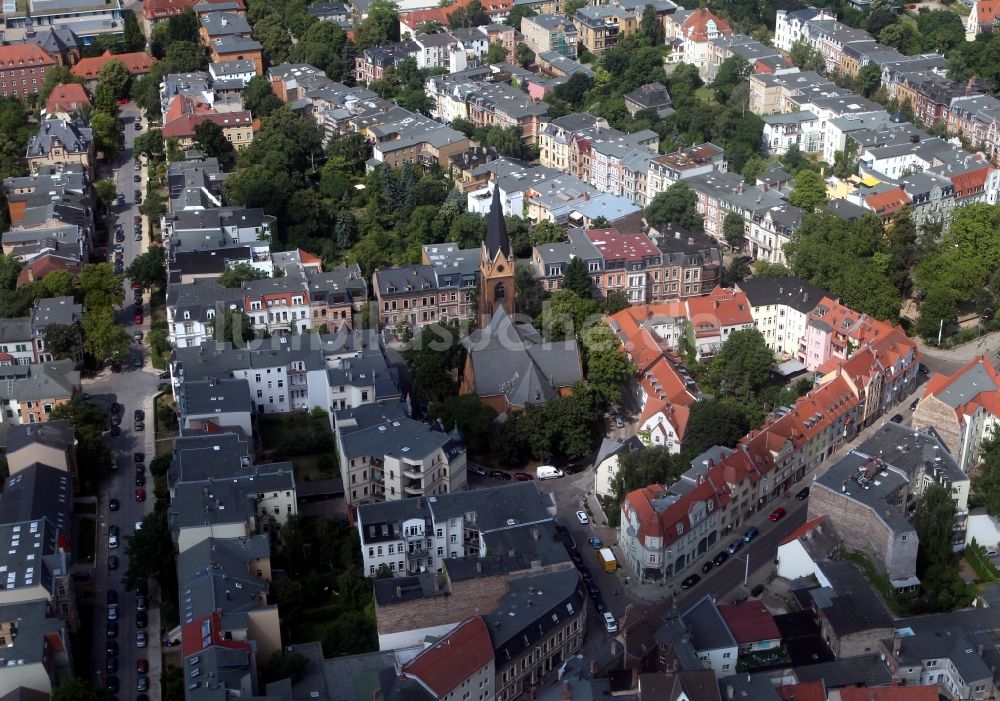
point(384, 429)
point(74, 136)
point(55, 434)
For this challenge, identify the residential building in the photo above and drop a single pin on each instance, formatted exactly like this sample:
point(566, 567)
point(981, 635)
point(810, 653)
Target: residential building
point(22, 69)
point(462, 662)
point(415, 296)
point(372, 63)
point(550, 260)
point(631, 264)
point(138, 64)
point(599, 27)
point(58, 141)
point(37, 654)
point(67, 100)
point(947, 661)
point(234, 72)
point(52, 443)
point(695, 31)
point(752, 626)
point(386, 456)
point(550, 33)
point(181, 123)
point(712, 641)
point(59, 41)
point(983, 18)
point(606, 462)
point(556, 140)
point(801, 550)
point(961, 409)
point(651, 96)
point(29, 393)
point(852, 618)
point(720, 194)
point(666, 170)
point(871, 493)
point(784, 130)
point(781, 309)
point(692, 263)
point(223, 402)
point(87, 21)
point(291, 81)
point(231, 47)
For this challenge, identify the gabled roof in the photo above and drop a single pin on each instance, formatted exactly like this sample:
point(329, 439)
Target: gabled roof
point(24, 54)
point(453, 659)
point(70, 97)
point(888, 201)
point(696, 26)
point(137, 63)
point(750, 622)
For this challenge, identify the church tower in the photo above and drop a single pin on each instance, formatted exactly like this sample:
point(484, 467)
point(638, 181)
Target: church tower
point(496, 266)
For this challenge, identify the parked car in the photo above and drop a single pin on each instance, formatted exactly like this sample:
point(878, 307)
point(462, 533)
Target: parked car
point(112, 541)
point(751, 533)
point(138, 236)
point(595, 543)
point(619, 423)
point(897, 418)
point(140, 639)
point(522, 477)
point(141, 666)
point(111, 666)
point(777, 514)
point(140, 600)
point(499, 475)
point(913, 404)
point(139, 457)
point(113, 685)
point(140, 495)
point(112, 596)
point(142, 683)
point(581, 516)
point(112, 648)
point(112, 629)
point(116, 408)
point(116, 431)
point(609, 623)
point(803, 494)
point(114, 505)
point(735, 546)
point(141, 620)
point(707, 566)
point(137, 336)
point(477, 470)
point(113, 562)
point(140, 481)
point(137, 178)
point(112, 612)
point(138, 362)
point(690, 581)
point(720, 558)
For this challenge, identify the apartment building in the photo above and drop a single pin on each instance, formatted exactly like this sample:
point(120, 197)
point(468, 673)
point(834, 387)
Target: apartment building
point(386, 456)
point(137, 63)
point(373, 62)
point(720, 194)
point(37, 653)
point(670, 168)
point(22, 69)
point(237, 127)
point(22, 339)
point(695, 31)
point(29, 393)
point(769, 92)
point(231, 47)
point(599, 27)
point(651, 96)
point(544, 33)
point(415, 296)
point(781, 309)
point(418, 535)
point(61, 142)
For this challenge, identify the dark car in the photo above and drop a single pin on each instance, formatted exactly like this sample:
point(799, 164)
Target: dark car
point(897, 418)
point(803, 494)
point(137, 178)
point(116, 420)
point(913, 404)
point(140, 481)
point(120, 236)
point(499, 475)
point(752, 533)
point(140, 603)
point(925, 371)
point(139, 457)
point(114, 531)
point(138, 236)
point(116, 431)
point(139, 426)
point(138, 362)
point(111, 665)
point(139, 415)
point(112, 629)
point(523, 477)
point(140, 619)
point(113, 562)
point(112, 648)
point(113, 685)
point(720, 558)
point(707, 566)
point(116, 408)
point(142, 683)
point(114, 505)
point(163, 387)
point(690, 581)
point(481, 471)
point(735, 546)
point(141, 666)
point(112, 596)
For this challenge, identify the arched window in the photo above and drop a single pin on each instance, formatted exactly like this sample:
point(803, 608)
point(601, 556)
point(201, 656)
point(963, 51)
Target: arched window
point(500, 292)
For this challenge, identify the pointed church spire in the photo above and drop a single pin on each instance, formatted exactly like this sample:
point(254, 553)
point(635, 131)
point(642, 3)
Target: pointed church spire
point(496, 229)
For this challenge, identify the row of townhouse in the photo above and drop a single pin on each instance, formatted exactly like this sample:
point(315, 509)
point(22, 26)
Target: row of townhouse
point(648, 268)
point(666, 531)
point(38, 609)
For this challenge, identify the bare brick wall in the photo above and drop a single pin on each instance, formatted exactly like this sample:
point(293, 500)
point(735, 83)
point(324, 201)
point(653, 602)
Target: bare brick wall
point(468, 598)
point(933, 413)
point(862, 530)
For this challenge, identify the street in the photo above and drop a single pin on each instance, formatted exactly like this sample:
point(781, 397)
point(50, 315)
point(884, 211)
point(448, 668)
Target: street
point(133, 388)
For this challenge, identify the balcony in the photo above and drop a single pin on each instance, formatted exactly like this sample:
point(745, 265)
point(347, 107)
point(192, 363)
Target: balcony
point(413, 488)
point(413, 472)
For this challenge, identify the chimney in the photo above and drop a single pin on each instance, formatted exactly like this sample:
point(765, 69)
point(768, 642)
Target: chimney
point(567, 692)
point(979, 649)
point(690, 240)
point(897, 642)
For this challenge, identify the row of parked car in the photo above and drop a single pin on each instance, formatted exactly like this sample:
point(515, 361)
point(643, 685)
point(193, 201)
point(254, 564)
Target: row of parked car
point(141, 640)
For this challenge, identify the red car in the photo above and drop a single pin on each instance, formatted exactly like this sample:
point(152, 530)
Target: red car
point(142, 666)
point(137, 219)
point(522, 477)
point(777, 514)
point(140, 495)
point(138, 319)
point(122, 100)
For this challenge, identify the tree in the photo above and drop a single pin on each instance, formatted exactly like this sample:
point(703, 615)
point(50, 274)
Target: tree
point(470, 15)
point(210, 139)
point(471, 416)
point(986, 480)
point(150, 143)
point(742, 367)
point(106, 191)
point(102, 288)
point(608, 368)
point(286, 666)
point(59, 283)
point(869, 79)
point(616, 301)
point(62, 340)
point(76, 689)
point(577, 279)
point(149, 269)
point(89, 423)
point(497, 53)
point(517, 13)
point(763, 268)
point(272, 33)
point(649, 26)
point(259, 98)
point(574, 90)
point(937, 309)
point(714, 423)
point(810, 190)
point(732, 231)
point(678, 204)
point(433, 356)
point(733, 71)
point(103, 338)
point(566, 315)
point(967, 255)
point(105, 99)
point(238, 274)
point(107, 133)
point(934, 521)
point(186, 56)
point(150, 552)
point(525, 56)
point(806, 57)
point(571, 6)
point(528, 292)
point(236, 327)
point(134, 39)
point(379, 27)
point(115, 75)
point(640, 468)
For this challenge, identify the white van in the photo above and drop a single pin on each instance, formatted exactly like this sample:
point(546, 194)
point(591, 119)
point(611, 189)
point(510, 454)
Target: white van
point(547, 472)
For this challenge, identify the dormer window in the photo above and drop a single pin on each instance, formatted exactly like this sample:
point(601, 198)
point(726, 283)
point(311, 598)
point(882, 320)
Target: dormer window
point(187, 315)
point(680, 528)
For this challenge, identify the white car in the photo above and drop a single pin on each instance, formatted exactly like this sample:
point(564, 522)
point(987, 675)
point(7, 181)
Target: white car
point(581, 516)
point(138, 525)
point(112, 541)
point(610, 623)
point(112, 612)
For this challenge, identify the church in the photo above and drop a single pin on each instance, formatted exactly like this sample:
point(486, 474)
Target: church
point(507, 362)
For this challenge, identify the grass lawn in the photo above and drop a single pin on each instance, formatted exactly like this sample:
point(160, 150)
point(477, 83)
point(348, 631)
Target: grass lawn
point(307, 469)
point(161, 400)
point(88, 540)
point(705, 94)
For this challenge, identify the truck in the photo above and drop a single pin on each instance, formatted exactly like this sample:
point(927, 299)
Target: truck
point(607, 558)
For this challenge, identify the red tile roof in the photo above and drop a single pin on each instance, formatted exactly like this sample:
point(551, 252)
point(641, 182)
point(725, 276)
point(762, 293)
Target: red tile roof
point(887, 202)
point(24, 54)
point(721, 308)
point(67, 98)
point(750, 622)
point(696, 25)
point(987, 11)
point(971, 182)
point(185, 124)
point(802, 530)
point(803, 691)
point(137, 63)
point(659, 514)
point(453, 659)
point(41, 266)
point(440, 14)
point(889, 693)
point(614, 245)
point(206, 632)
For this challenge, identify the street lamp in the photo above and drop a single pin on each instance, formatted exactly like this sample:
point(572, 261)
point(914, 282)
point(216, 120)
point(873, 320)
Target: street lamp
point(746, 569)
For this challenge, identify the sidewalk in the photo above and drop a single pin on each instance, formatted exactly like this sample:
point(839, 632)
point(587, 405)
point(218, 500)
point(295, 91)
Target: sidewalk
point(963, 353)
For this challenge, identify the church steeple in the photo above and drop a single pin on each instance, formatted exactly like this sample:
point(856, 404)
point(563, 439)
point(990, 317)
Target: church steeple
point(496, 229)
point(496, 266)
